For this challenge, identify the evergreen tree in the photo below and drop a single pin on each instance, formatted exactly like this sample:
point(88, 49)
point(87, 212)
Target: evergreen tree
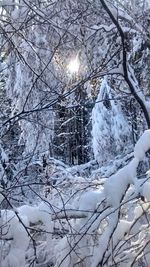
point(110, 130)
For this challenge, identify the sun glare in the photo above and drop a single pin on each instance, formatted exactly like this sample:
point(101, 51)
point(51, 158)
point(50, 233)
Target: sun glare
point(73, 66)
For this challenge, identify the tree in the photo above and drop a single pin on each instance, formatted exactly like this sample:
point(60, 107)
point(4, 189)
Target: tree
point(109, 222)
point(39, 79)
point(74, 73)
point(110, 129)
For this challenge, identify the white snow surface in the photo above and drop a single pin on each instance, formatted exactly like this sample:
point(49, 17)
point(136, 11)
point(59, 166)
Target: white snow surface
point(142, 146)
point(116, 186)
point(15, 228)
point(90, 199)
point(146, 191)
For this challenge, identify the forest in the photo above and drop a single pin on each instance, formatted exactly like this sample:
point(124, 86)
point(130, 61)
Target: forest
point(74, 133)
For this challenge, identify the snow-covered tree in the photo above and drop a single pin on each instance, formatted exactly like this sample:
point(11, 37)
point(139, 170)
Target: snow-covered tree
point(109, 219)
point(110, 130)
point(41, 44)
point(73, 74)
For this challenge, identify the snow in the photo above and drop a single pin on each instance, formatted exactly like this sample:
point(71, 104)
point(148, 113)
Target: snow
point(86, 212)
point(115, 187)
point(110, 129)
point(14, 259)
point(104, 240)
point(140, 209)
point(103, 27)
point(3, 155)
point(1, 195)
point(146, 191)
point(142, 146)
point(32, 213)
point(122, 229)
point(113, 10)
point(6, 2)
point(90, 199)
point(11, 227)
point(148, 173)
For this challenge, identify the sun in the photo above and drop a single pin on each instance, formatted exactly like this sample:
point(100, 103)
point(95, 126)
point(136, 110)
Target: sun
point(73, 66)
